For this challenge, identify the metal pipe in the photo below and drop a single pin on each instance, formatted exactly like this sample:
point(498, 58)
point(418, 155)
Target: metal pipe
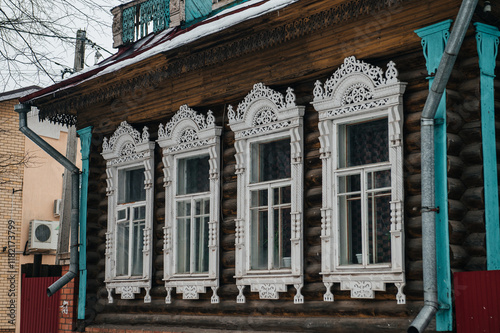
point(431, 304)
point(23, 110)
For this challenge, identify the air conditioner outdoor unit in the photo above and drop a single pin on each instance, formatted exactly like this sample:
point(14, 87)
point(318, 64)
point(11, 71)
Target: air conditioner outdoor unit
point(43, 235)
point(57, 207)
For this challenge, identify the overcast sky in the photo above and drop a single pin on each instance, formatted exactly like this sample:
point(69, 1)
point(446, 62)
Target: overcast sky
point(64, 54)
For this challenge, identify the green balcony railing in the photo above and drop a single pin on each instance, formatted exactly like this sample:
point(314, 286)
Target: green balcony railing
point(145, 17)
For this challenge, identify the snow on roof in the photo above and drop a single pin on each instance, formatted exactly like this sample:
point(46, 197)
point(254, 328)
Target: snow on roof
point(167, 40)
point(14, 94)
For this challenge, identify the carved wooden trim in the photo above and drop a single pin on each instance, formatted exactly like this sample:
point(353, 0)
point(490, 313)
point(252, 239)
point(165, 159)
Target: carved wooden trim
point(219, 54)
point(358, 91)
point(263, 114)
point(127, 147)
point(189, 133)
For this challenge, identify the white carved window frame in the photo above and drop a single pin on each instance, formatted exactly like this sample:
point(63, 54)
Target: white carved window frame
point(249, 128)
point(126, 149)
point(358, 92)
point(190, 133)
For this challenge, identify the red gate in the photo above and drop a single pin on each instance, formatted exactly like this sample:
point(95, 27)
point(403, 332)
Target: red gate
point(39, 313)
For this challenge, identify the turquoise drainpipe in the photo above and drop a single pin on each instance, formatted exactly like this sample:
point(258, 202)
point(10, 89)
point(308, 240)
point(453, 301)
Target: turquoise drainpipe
point(487, 47)
point(434, 38)
point(85, 136)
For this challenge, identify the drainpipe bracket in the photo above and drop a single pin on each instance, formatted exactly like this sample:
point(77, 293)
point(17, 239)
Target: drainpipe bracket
point(443, 306)
point(438, 121)
point(429, 209)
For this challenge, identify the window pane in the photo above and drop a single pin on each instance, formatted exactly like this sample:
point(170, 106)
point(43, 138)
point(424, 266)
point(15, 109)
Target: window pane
point(282, 195)
point(259, 238)
point(137, 245)
point(201, 244)
point(350, 229)
point(131, 186)
point(270, 160)
point(258, 198)
point(363, 143)
point(183, 244)
point(379, 227)
point(193, 175)
point(201, 236)
point(282, 238)
point(379, 179)
point(139, 213)
point(122, 245)
point(184, 208)
point(351, 183)
point(122, 214)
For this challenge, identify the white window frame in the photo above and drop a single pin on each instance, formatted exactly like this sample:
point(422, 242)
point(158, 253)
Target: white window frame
point(355, 93)
point(190, 134)
point(128, 149)
point(265, 114)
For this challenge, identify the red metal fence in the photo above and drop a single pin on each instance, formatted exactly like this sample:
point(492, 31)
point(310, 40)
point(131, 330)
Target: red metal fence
point(477, 301)
point(39, 313)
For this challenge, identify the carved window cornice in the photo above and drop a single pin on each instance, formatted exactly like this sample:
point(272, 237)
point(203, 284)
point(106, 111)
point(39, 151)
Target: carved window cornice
point(128, 148)
point(190, 134)
point(358, 93)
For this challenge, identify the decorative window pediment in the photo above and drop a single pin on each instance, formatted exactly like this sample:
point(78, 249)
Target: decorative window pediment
point(129, 168)
point(269, 164)
point(191, 157)
point(360, 122)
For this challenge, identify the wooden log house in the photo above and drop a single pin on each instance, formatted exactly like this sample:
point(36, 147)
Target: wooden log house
point(255, 165)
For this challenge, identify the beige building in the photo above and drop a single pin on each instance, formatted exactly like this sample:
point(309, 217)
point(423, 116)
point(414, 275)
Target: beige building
point(30, 187)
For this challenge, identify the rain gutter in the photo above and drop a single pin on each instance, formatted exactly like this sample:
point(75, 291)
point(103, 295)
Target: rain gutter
point(23, 110)
point(431, 304)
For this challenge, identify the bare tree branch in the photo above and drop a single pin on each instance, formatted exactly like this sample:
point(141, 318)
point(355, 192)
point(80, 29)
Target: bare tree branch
point(36, 36)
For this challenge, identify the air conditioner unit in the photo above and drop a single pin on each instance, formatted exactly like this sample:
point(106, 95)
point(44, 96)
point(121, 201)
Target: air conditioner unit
point(57, 207)
point(43, 235)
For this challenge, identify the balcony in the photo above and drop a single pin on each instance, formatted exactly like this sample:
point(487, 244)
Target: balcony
point(136, 19)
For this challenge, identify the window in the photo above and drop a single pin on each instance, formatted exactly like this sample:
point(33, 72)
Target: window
point(364, 193)
point(129, 158)
point(191, 153)
point(268, 141)
point(130, 222)
point(360, 113)
point(270, 205)
point(192, 206)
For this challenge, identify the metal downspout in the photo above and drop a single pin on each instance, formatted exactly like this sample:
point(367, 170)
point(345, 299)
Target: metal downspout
point(23, 110)
point(443, 73)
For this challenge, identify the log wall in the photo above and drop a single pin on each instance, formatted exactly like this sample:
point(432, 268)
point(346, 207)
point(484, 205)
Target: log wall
point(298, 63)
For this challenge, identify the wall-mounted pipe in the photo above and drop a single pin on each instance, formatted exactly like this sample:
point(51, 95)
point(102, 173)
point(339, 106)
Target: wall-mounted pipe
point(23, 110)
point(443, 73)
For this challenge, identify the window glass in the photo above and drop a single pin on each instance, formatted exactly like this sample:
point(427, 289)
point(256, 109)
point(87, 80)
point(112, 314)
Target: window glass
point(282, 228)
point(193, 175)
point(193, 217)
point(131, 186)
point(122, 248)
point(364, 194)
point(270, 160)
point(200, 244)
point(259, 229)
point(379, 227)
point(363, 143)
point(129, 242)
point(350, 229)
point(271, 228)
